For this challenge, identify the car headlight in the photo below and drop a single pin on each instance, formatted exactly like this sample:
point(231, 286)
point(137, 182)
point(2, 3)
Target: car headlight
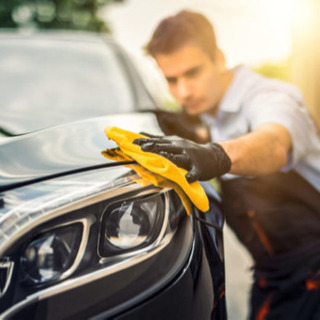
point(50, 255)
point(131, 224)
point(93, 223)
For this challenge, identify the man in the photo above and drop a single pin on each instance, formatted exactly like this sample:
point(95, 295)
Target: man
point(267, 153)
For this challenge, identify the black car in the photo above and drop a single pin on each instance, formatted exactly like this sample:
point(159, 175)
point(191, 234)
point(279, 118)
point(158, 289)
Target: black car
point(80, 238)
point(51, 78)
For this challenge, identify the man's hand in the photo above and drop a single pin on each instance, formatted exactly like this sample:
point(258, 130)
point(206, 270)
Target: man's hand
point(202, 161)
point(182, 125)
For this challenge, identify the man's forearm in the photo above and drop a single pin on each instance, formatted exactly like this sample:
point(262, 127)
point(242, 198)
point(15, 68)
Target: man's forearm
point(261, 152)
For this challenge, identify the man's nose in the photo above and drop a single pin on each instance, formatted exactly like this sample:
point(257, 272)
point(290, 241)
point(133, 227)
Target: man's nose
point(183, 89)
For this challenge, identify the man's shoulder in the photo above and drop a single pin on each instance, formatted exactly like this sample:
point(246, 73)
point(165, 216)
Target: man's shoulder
point(262, 85)
point(248, 87)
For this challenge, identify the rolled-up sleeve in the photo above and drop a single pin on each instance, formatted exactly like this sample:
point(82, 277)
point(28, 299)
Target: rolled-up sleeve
point(288, 110)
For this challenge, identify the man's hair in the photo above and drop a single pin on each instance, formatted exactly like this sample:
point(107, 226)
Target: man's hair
point(175, 31)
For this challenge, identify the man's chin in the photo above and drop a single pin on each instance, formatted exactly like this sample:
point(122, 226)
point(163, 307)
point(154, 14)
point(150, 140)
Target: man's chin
point(194, 110)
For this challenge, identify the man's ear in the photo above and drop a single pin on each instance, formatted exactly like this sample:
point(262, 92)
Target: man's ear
point(220, 55)
point(220, 60)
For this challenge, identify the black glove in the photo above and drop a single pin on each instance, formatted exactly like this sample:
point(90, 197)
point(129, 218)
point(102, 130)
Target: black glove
point(182, 125)
point(202, 161)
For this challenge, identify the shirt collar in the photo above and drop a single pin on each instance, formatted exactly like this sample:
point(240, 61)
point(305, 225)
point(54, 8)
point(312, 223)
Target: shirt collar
point(234, 95)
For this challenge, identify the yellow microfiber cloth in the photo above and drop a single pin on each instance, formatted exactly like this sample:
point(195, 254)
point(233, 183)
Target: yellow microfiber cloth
point(155, 169)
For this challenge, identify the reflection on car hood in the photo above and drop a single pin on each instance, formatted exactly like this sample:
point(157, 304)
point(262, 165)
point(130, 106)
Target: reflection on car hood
point(63, 148)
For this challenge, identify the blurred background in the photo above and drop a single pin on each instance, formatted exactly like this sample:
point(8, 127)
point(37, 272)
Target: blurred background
point(278, 38)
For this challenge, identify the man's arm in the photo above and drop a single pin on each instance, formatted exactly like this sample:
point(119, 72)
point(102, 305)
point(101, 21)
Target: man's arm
point(263, 151)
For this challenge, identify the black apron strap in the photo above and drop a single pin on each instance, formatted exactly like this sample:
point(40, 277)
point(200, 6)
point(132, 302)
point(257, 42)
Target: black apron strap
point(272, 214)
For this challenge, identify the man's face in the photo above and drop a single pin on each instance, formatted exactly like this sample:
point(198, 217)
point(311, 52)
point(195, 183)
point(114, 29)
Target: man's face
point(195, 81)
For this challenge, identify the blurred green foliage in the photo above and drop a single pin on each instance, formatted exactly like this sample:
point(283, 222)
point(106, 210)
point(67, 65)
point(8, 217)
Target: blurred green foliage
point(54, 14)
point(280, 70)
point(170, 104)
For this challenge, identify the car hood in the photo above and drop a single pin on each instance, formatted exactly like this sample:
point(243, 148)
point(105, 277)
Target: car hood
point(64, 148)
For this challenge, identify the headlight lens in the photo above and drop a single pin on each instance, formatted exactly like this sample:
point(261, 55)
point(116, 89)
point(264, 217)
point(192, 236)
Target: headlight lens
point(48, 256)
point(131, 224)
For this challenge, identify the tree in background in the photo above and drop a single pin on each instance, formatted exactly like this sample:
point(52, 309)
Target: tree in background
point(54, 14)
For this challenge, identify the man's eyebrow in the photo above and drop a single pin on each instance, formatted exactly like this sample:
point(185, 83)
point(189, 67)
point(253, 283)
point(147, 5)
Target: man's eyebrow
point(187, 73)
point(193, 70)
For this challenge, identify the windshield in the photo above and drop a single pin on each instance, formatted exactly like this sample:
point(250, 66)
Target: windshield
point(44, 83)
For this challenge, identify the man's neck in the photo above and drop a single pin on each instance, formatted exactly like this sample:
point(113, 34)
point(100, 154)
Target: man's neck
point(227, 79)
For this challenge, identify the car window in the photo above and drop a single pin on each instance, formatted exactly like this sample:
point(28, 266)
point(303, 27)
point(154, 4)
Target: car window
point(45, 83)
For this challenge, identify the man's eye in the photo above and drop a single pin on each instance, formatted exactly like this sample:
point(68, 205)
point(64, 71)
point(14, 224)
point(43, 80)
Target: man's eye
point(172, 80)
